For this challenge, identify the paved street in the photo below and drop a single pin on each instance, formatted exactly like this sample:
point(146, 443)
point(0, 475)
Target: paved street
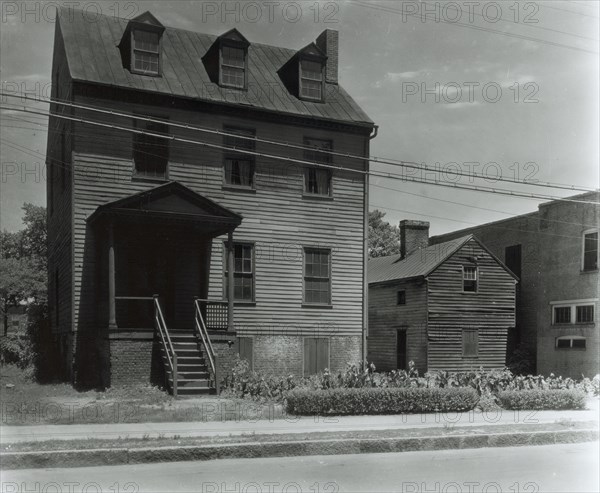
point(560, 468)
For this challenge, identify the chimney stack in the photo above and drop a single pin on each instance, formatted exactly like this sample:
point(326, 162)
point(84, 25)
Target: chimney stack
point(328, 43)
point(414, 235)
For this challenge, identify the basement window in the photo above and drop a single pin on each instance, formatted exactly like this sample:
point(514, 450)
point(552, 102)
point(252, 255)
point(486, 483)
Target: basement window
point(571, 342)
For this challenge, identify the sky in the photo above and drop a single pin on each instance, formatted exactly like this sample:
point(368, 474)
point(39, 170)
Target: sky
point(500, 88)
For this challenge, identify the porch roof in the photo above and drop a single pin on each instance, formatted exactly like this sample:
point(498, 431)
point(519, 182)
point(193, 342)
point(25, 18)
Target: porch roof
point(170, 202)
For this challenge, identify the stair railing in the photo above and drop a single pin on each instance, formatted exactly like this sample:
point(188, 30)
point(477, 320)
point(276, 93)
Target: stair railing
point(201, 330)
point(167, 345)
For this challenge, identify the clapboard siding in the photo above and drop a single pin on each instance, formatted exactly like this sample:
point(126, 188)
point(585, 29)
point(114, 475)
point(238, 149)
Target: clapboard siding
point(277, 218)
point(386, 317)
point(59, 197)
point(491, 310)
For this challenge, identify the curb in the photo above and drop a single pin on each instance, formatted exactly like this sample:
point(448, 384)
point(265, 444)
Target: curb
point(120, 456)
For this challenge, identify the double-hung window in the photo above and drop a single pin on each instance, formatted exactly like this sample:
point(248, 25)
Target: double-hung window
point(243, 272)
point(469, 278)
point(150, 151)
point(311, 80)
point(239, 166)
point(317, 276)
point(146, 54)
point(233, 66)
point(317, 179)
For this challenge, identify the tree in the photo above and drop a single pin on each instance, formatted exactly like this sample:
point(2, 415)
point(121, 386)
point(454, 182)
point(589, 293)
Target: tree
point(384, 239)
point(23, 263)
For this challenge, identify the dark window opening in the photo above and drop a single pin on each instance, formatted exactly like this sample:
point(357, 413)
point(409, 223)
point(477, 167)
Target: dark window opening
point(469, 279)
point(512, 259)
point(568, 342)
point(590, 251)
point(401, 298)
point(317, 276)
point(151, 152)
point(562, 314)
point(585, 314)
point(317, 180)
point(239, 167)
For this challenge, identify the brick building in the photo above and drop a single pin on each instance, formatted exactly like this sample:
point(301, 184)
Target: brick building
point(195, 205)
point(554, 252)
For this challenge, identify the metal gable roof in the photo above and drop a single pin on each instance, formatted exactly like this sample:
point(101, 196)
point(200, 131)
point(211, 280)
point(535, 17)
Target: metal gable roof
point(418, 264)
point(93, 57)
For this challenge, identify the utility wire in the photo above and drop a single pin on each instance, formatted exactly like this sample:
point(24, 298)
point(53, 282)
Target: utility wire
point(374, 159)
point(472, 26)
point(309, 163)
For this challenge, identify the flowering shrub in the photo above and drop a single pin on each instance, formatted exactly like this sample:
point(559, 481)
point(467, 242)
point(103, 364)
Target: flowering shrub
point(487, 384)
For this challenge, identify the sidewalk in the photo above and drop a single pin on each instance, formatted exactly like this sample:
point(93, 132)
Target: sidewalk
point(305, 424)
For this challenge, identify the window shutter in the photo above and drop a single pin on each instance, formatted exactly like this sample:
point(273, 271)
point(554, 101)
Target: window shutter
point(245, 346)
point(322, 354)
point(308, 352)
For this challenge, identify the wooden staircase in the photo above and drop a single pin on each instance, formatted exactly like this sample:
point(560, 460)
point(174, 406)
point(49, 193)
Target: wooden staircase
point(193, 376)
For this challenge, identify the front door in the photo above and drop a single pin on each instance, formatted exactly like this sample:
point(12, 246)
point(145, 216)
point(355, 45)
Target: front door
point(401, 349)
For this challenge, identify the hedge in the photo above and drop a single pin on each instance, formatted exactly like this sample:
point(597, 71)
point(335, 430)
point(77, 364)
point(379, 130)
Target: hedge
point(343, 401)
point(541, 399)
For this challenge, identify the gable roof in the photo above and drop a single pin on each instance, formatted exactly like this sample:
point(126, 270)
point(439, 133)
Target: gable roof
point(93, 57)
point(172, 201)
point(420, 263)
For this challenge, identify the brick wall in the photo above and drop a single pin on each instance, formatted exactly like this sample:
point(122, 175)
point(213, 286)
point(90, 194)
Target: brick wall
point(135, 360)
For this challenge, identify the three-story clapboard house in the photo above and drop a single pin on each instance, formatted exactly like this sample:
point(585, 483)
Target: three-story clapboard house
point(200, 205)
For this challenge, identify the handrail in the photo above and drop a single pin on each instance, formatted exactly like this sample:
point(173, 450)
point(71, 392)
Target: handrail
point(167, 344)
point(201, 329)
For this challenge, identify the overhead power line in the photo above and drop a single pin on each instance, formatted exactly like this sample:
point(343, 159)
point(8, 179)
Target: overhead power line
point(302, 162)
point(472, 26)
point(374, 159)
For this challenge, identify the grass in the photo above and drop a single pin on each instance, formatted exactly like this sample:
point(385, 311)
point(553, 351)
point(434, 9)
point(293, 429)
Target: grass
point(29, 403)
point(174, 441)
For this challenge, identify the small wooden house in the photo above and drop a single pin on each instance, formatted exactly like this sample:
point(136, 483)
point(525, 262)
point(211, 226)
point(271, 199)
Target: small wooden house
point(200, 205)
point(447, 306)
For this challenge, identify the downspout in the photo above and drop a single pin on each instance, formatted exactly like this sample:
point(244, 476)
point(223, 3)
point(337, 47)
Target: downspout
point(366, 245)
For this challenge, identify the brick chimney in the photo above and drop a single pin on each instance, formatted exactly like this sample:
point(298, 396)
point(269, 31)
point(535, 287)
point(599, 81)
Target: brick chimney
point(414, 235)
point(328, 43)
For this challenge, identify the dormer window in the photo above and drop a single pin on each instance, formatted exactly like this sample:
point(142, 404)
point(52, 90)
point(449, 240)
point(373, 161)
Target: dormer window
point(140, 45)
point(146, 54)
point(311, 80)
point(233, 66)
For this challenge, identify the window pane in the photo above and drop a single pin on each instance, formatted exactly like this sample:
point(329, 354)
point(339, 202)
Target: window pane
point(239, 172)
point(563, 343)
point(585, 314)
point(317, 281)
point(311, 70)
point(150, 153)
point(144, 40)
point(311, 89)
point(578, 343)
point(590, 251)
point(317, 181)
point(562, 314)
point(233, 76)
point(233, 56)
point(401, 297)
point(146, 62)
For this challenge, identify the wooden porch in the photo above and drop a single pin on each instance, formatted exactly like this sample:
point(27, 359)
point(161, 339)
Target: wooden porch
point(157, 263)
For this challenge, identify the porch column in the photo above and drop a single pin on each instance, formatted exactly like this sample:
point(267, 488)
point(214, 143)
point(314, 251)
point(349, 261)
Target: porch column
point(230, 281)
point(112, 312)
